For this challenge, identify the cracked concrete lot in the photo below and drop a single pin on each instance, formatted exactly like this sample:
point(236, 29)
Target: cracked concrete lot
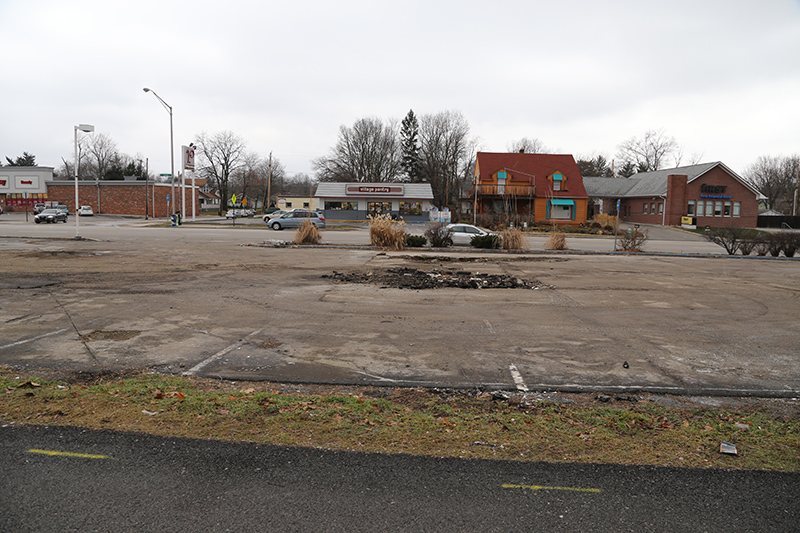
point(146, 299)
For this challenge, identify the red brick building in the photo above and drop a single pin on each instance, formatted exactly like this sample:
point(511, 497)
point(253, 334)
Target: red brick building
point(711, 193)
point(123, 197)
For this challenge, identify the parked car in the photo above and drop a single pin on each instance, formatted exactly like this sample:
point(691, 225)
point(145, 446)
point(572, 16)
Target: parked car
point(85, 211)
point(295, 219)
point(63, 208)
point(273, 214)
point(233, 213)
point(463, 233)
point(50, 215)
point(38, 208)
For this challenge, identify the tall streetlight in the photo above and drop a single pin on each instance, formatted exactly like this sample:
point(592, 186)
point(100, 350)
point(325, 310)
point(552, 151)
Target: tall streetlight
point(171, 146)
point(86, 128)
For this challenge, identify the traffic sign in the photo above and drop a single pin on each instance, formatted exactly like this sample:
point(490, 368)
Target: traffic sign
point(233, 199)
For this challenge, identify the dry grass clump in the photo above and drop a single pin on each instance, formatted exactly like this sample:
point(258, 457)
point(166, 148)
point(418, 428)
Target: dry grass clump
point(604, 219)
point(387, 233)
point(513, 239)
point(633, 240)
point(308, 233)
point(557, 241)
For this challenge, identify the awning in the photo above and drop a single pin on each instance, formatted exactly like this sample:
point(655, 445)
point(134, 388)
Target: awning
point(559, 201)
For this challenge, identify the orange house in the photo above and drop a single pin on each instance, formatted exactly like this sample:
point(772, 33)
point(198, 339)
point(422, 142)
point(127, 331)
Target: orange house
point(534, 188)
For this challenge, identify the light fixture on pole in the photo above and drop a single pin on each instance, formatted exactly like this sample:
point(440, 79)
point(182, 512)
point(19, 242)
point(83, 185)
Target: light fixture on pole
point(171, 148)
point(86, 128)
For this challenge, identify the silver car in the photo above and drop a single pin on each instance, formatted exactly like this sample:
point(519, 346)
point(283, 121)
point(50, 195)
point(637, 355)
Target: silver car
point(463, 233)
point(295, 219)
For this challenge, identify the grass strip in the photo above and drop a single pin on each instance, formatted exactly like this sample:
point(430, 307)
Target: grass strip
point(409, 421)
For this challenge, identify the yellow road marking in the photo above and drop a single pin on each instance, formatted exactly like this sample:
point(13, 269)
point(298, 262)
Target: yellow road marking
point(69, 454)
point(542, 487)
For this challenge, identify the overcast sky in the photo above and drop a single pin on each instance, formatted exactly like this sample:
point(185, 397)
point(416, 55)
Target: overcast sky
point(722, 77)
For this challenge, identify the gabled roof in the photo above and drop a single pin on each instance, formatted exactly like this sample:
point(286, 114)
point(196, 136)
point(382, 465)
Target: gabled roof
point(417, 191)
point(646, 184)
point(533, 169)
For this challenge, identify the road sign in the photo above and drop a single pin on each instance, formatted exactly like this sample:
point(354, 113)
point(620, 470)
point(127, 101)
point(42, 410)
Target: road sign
point(244, 201)
point(233, 199)
point(188, 157)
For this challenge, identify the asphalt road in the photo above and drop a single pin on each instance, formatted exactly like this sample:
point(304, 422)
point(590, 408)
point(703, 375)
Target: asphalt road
point(199, 300)
point(69, 479)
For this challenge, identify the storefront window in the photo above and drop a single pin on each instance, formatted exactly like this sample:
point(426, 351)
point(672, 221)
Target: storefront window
point(709, 208)
point(379, 208)
point(411, 208)
point(341, 206)
point(690, 210)
point(727, 211)
point(718, 208)
point(737, 209)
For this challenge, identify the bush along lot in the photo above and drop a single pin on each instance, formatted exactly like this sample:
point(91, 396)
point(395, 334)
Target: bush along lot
point(622, 429)
point(749, 241)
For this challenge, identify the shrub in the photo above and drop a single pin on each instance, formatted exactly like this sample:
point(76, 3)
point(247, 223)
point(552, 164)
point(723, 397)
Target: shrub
point(632, 240)
point(761, 246)
point(439, 235)
point(791, 243)
point(774, 243)
point(748, 245)
point(557, 241)
point(609, 229)
point(415, 241)
point(308, 233)
point(492, 240)
point(604, 219)
point(513, 239)
point(387, 233)
point(729, 238)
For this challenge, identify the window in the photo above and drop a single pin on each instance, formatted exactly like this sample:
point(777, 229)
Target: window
point(306, 205)
point(727, 211)
point(653, 208)
point(661, 208)
point(341, 206)
point(644, 212)
point(288, 205)
point(411, 208)
point(379, 208)
point(690, 209)
point(558, 178)
point(709, 208)
point(556, 185)
point(737, 209)
point(718, 208)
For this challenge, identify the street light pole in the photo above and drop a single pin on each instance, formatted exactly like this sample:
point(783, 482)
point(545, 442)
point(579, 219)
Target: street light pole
point(86, 128)
point(171, 145)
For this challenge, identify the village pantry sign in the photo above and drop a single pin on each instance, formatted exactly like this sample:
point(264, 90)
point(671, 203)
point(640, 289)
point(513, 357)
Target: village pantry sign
point(383, 190)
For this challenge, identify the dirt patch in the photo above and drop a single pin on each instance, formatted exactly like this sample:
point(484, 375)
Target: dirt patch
point(269, 344)
point(412, 278)
point(109, 336)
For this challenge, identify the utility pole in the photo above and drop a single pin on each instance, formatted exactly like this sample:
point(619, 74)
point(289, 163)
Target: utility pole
point(269, 183)
point(796, 186)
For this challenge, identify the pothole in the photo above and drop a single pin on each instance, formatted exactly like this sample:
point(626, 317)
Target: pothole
point(412, 278)
point(109, 336)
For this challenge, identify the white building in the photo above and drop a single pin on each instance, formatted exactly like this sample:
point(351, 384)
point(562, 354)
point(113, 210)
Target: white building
point(355, 201)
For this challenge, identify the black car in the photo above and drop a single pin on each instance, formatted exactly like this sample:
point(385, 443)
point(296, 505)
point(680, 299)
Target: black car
point(50, 215)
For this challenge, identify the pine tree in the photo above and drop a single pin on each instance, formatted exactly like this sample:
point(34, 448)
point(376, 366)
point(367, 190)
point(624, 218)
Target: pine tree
point(409, 136)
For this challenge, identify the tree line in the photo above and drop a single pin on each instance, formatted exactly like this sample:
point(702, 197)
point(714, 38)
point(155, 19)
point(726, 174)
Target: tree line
point(433, 148)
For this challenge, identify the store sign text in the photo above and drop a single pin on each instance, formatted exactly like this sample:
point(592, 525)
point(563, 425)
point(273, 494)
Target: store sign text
point(377, 190)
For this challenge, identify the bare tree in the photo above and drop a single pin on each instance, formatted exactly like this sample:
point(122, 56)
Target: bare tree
point(220, 156)
point(446, 153)
point(650, 152)
point(369, 151)
point(774, 178)
point(529, 146)
point(101, 154)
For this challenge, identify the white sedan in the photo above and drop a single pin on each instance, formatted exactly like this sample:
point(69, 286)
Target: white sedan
point(85, 211)
point(463, 233)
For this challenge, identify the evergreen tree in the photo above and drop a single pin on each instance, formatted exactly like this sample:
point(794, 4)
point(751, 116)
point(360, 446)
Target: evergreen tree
point(25, 160)
point(409, 139)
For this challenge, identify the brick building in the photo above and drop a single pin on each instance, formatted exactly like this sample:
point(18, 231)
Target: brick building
point(711, 193)
point(138, 198)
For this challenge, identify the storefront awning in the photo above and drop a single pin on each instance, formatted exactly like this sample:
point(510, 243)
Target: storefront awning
point(559, 201)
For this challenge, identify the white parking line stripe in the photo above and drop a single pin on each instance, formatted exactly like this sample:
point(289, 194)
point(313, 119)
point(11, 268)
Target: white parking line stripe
point(202, 364)
point(518, 378)
point(34, 338)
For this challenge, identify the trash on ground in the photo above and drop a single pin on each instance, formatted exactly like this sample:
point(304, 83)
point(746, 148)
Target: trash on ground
point(727, 448)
